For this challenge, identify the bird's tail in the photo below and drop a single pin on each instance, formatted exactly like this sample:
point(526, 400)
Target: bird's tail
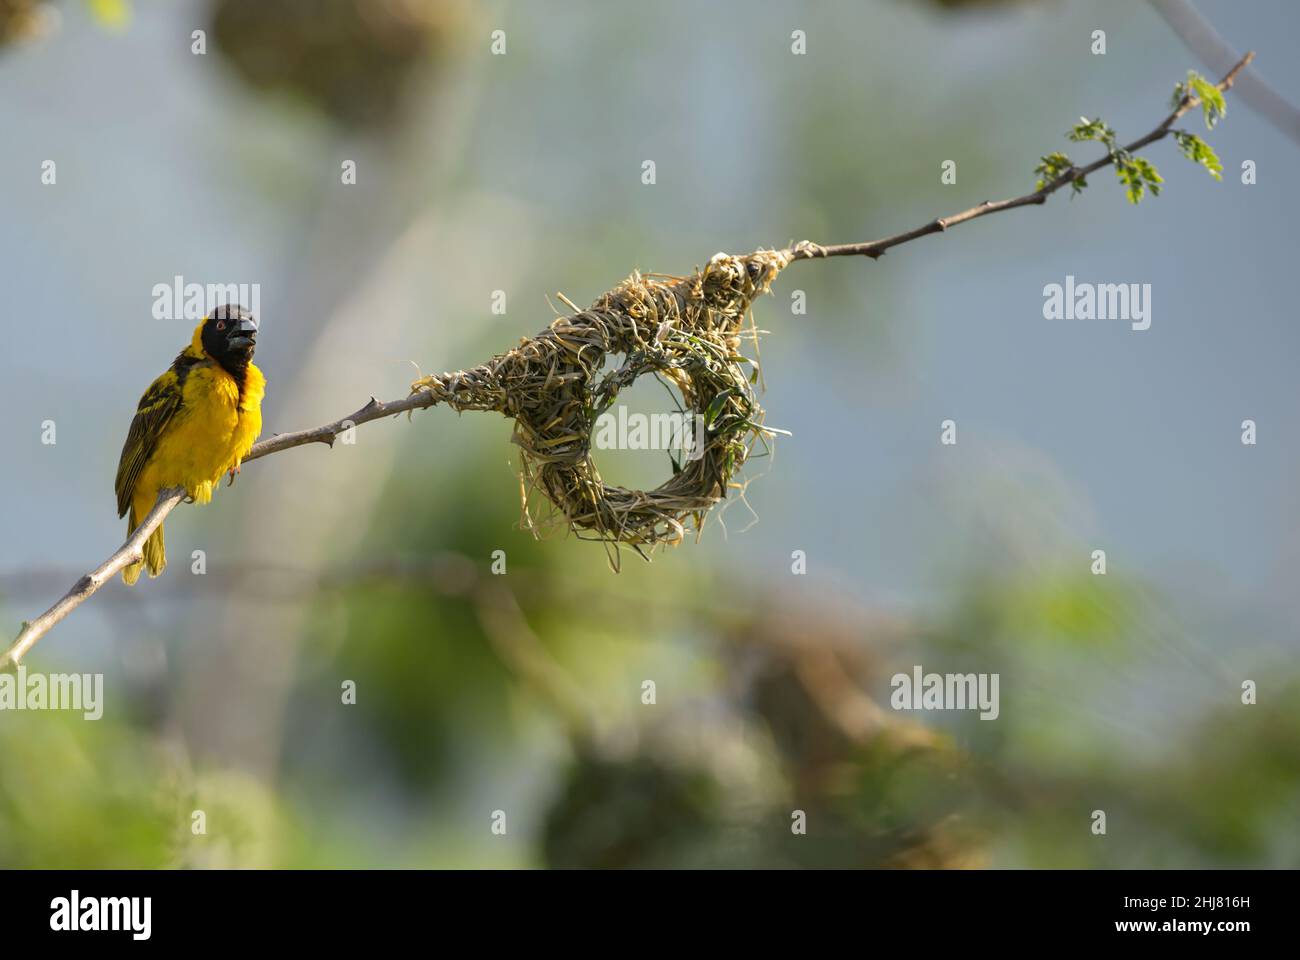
point(155, 555)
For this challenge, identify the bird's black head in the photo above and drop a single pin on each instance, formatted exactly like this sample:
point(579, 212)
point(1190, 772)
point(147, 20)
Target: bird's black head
point(229, 337)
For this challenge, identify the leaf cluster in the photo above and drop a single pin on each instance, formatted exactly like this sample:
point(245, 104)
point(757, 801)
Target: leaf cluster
point(1135, 173)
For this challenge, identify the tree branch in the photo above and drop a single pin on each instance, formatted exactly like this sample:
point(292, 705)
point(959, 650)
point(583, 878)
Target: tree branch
point(128, 553)
point(132, 550)
point(875, 249)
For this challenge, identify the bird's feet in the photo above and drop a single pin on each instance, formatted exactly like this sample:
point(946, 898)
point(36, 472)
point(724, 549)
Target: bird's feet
point(233, 472)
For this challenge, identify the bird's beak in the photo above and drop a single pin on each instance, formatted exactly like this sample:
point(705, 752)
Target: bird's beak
point(245, 333)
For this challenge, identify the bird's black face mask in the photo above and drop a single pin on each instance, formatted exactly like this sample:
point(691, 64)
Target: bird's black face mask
point(230, 337)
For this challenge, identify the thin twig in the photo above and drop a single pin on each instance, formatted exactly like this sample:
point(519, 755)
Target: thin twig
point(374, 410)
point(132, 551)
point(876, 248)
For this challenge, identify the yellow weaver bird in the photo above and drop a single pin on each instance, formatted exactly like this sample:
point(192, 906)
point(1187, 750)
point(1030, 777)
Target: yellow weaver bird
point(194, 423)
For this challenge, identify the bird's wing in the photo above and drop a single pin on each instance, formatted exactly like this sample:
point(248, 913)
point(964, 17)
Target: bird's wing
point(157, 407)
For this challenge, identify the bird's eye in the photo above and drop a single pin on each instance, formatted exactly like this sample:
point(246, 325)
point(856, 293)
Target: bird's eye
point(221, 325)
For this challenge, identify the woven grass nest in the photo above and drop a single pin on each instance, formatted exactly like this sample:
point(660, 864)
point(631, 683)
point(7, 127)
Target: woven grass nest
point(688, 331)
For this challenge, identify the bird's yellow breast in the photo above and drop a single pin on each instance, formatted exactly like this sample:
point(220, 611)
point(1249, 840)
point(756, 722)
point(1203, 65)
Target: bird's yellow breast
point(211, 433)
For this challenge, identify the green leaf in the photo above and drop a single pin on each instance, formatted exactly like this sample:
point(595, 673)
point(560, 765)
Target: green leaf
point(1095, 130)
point(1149, 174)
point(1198, 151)
point(1214, 106)
point(715, 407)
point(1051, 168)
point(1138, 174)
